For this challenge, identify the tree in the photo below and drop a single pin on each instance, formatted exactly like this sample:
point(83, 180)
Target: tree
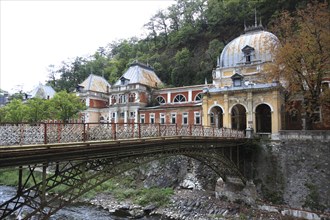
point(37, 110)
point(182, 75)
point(15, 111)
point(65, 106)
point(303, 58)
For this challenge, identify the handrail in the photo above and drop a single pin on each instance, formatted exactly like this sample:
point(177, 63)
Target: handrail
point(56, 132)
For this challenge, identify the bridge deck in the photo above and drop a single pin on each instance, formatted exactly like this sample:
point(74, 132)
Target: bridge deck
point(47, 153)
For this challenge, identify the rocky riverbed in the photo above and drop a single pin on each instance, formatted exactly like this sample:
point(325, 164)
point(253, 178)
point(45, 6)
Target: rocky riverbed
point(201, 205)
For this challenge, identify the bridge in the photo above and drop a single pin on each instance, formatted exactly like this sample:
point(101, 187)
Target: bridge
point(81, 156)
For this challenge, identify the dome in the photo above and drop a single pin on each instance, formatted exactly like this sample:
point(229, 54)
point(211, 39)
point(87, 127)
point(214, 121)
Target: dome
point(249, 48)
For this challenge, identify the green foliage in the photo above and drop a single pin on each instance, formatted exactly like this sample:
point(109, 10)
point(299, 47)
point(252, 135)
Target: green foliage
point(157, 196)
point(37, 110)
point(182, 44)
point(9, 177)
point(15, 111)
point(65, 106)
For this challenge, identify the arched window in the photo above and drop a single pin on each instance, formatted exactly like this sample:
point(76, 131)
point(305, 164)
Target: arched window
point(160, 100)
point(122, 98)
point(131, 97)
point(198, 97)
point(113, 99)
point(212, 118)
point(179, 98)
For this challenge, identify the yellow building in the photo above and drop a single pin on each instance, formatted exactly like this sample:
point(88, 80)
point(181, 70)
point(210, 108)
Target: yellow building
point(241, 96)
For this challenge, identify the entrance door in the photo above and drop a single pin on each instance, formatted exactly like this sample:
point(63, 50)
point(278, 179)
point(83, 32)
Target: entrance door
point(216, 117)
point(238, 117)
point(263, 119)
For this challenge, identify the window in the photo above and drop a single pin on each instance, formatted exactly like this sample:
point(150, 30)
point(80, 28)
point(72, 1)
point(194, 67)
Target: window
point(197, 118)
point(173, 118)
point(162, 118)
point(237, 82)
point(248, 51)
point(142, 118)
point(113, 99)
point(131, 97)
point(152, 118)
point(179, 98)
point(160, 100)
point(122, 98)
point(113, 114)
point(132, 114)
point(212, 118)
point(122, 114)
point(185, 118)
point(198, 97)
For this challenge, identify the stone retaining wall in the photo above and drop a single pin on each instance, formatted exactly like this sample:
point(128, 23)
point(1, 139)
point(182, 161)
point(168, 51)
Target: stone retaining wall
point(305, 135)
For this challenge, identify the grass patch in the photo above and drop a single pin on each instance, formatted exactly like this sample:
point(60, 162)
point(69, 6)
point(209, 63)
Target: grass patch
point(121, 187)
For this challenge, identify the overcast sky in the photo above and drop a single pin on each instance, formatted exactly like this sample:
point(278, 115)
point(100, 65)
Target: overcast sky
point(36, 34)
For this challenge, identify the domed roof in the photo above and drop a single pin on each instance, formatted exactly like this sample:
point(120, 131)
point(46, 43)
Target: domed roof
point(255, 43)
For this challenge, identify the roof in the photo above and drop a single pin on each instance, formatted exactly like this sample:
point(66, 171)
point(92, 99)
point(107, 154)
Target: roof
point(95, 83)
point(259, 42)
point(139, 73)
point(42, 92)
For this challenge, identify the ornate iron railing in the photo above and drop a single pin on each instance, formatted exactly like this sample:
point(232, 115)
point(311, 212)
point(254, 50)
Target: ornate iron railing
point(44, 133)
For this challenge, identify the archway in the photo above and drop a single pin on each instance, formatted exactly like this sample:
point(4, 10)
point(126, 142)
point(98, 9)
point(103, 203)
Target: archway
point(216, 117)
point(238, 117)
point(263, 119)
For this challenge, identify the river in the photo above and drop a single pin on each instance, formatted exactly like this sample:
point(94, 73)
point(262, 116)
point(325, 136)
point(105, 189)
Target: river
point(79, 211)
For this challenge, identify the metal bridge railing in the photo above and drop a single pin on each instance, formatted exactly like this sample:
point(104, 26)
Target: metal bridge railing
point(44, 133)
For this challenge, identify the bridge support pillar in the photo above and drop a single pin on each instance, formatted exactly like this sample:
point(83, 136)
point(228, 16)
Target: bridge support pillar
point(44, 184)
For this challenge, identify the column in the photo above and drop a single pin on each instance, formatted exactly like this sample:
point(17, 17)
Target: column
point(189, 95)
point(168, 97)
point(250, 121)
point(276, 116)
point(136, 116)
point(125, 116)
point(226, 118)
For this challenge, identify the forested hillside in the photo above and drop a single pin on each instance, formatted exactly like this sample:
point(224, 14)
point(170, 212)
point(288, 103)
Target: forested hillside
point(183, 43)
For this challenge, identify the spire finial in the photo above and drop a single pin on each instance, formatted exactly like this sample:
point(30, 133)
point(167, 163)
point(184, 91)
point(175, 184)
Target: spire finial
point(255, 17)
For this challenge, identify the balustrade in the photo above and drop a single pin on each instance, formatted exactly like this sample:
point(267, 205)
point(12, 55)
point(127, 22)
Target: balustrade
point(44, 133)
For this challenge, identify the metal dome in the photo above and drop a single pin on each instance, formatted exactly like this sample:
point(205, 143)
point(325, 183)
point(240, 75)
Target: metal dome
point(257, 43)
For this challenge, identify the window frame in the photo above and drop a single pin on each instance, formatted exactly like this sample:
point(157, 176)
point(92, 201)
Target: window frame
point(185, 116)
point(198, 95)
point(142, 118)
point(158, 98)
point(152, 118)
point(162, 116)
point(173, 117)
point(179, 98)
point(197, 115)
